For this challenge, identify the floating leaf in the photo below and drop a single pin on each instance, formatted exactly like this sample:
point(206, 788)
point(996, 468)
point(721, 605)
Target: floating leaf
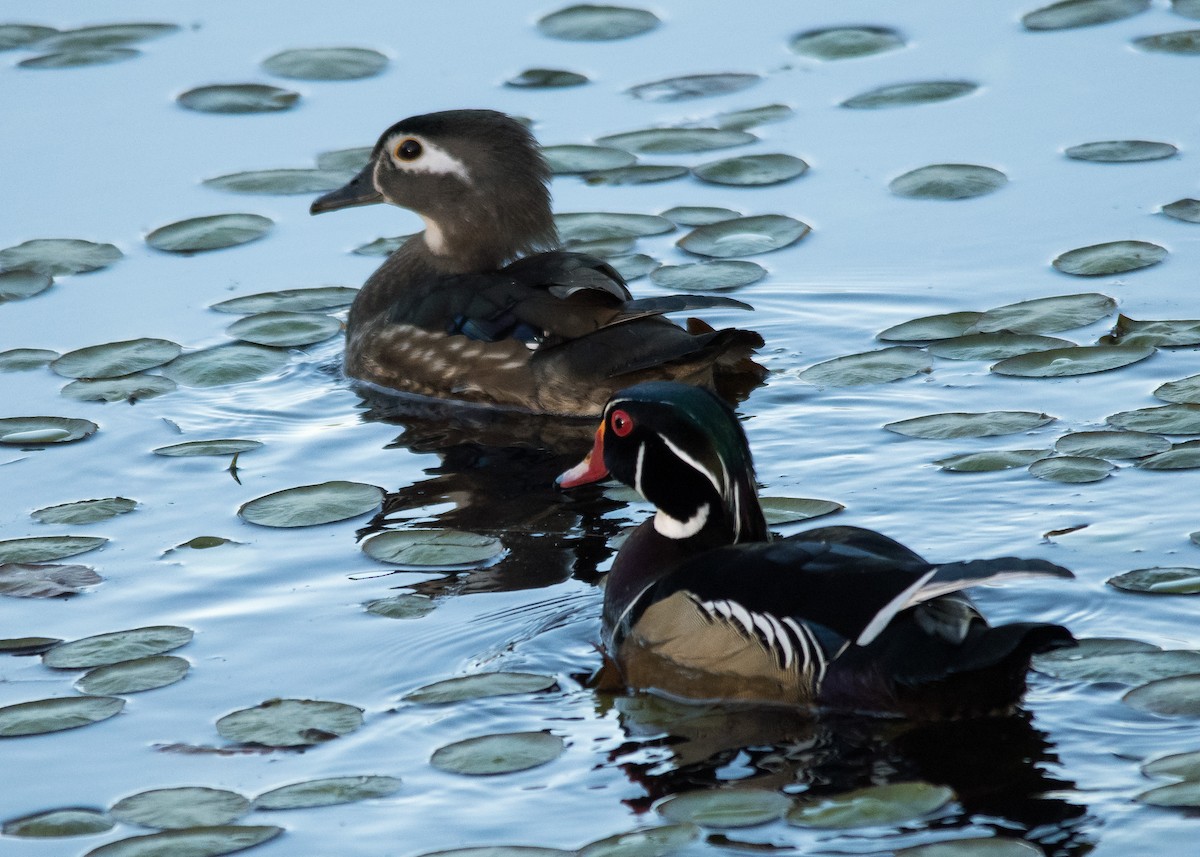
point(1186, 8)
point(214, 232)
point(345, 160)
point(135, 676)
point(709, 275)
point(1046, 315)
point(907, 94)
point(57, 257)
point(1134, 667)
point(644, 842)
point(602, 247)
point(292, 181)
point(693, 86)
point(106, 35)
point(1185, 766)
point(600, 225)
point(726, 808)
point(311, 505)
point(47, 548)
point(1174, 580)
point(238, 98)
point(20, 35)
point(290, 722)
point(128, 388)
point(32, 580)
point(505, 753)
point(1113, 257)
point(1121, 151)
point(1087, 647)
point(994, 346)
point(381, 246)
point(871, 367)
point(35, 431)
point(546, 78)
point(889, 804)
point(172, 809)
point(1184, 456)
point(116, 646)
point(1185, 794)
point(744, 236)
point(1112, 444)
point(285, 329)
point(636, 174)
point(425, 546)
point(204, 543)
point(225, 364)
point(1081, 13)
point(1071, 468)
point(326, 63)
point(1165, 333)
point(751, 170)
point(289, 300)
point(27, 645)
point(1177, 696)
point(79, 57)
point(839, 43)
point(327, 792)
point(501, 851)
point(22, 359)
point(55, 715)
point(1181, 42)
point(569, 160)
point(976, 846)
point(985, 462)
point(1077, 360)
point(479, 686)
point(1187, 210)
point(1185, 391)
point(678, 140)
point(18, 285)
point(114, 359)
point(84, 511)
point(986, 424)
point(192, 842)
point(931, 327)
point(699, 215)
point(1167, 419)
point(73, 821)
point(406, 606)
point(948, 181)
point(588, 23)
point(633, 266)
point(753, 116)
point(208, 447)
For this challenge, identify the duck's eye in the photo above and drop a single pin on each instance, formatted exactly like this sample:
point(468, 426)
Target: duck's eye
point(621, 422)
point(408, 150)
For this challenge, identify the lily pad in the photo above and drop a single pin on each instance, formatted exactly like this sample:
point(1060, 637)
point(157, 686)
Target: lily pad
point(381, 246)
point(285, 329)
point(602, 247)
point(839, 43)
point(238, 98)
point(173, 809)
point(1113, 257)
point(1186, 8)
point(985, 424)
point(931, 327)
point(327, 792)
point(1071, 468)
point(55, 715)
point(192, 842)
point(289, 300)
point(871, 367)
point(84, 511)
point(699, 215)
point(1123, 667)
point(546, 78)
point(752, 117)
point(228, 446)
point(744, 236)
point(1112, 444)
point(1121, 151)
point(752, 170)
point(47, 548)
point(1185, 794)
point(644, 842)
point(1178, 696)
point(633, 265)
point(908, 94)
point(27, 645)
point(1185, 42)
point(405, 606)
point(22, 359)
point(72, 821)
point(1187, 210)
point(1185, 391)
point(1185, 766)
point(127, 388)
point(135, 676)
point(1170, 580)
point(1077, 360)
point(1165, 333)
point(479, 686)
point(290, 722)
point(1046, 315)
point(501, 851)
point(975, 846)
point(1184, 456)
point(994, 346)
point(1166, 419)
point(726, 808)
point(79, 57)
point(106, 35)
point(948, 181)
point(311, 505)
point(426, 547)
point(678, 140)
point(1081, 13)
point(57, 257)
point(326, 63)
point(504, 753)
point(636, 174)
point(117, 646)
point(602, 225)
point(114, 359)
point(573, 159)
point(709, 275)
point(18, 285)
point(282, 182)
point(36, 580)
point(345, 160)
point(693, 86)
point(225, 364)
point(214, 232)
point(992, 460)
point(589, 23)
point(888, 804)
point(1088, 647)
point(20, 35)
point(36, 431)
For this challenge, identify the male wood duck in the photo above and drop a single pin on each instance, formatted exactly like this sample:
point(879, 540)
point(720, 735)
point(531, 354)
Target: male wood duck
point(482, 307)
point(701, 603)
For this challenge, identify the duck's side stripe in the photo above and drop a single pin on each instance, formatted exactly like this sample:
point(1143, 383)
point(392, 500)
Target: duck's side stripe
point(792, 644)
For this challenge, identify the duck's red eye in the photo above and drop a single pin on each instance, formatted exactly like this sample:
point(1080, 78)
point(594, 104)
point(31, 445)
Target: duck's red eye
point(621, 422)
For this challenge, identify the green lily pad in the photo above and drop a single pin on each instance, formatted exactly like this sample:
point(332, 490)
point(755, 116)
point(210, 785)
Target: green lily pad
point(726, 808)
point(84, 511)
point(602, 247)
point(708, 276)
point(1185, 391)
point(1077, 360)
point(479, 686)
point(1185, 766)
point(589, 23)
point(208, 447)
point(135, 676)
point(326, 63)
point(106, 35)
point(18, 285)
point(601, 225)
point(744, 236)
point(1113, 257)
point(345, 160)
point(1173, 580)
point(225, 364)
point(285, 329)
point(27, 645)
point(1183, 456)
point(55, 715)
point(1185, 42)
point(36, 431)
point(1081, 13)
point(214, 232)
point(992, 460)
point(127, 388)
point(1186, 8)
point(1046, 315)
point(405, 606)
point(1124, 667)
point(204, 543)
point(644, 842)
point(752, 117)
point(330, 791)
point(1166, 419)
point(20, 35)
point(192, 842)
point(1121, 151)
point(573, 159)
point(1164, 333)
point(1186, 209)
point(289, 300)
point(995, 346)
point(47, 548)
point(311, 505)
point(112, 648)
point(39, 580)
point(678, 140)
point(57, 257)
point(985, 424)
point(1087, 647)
point(238, 98)
point(693, 86)
point(72, 821)
point(699, 215)
point(636, 174)
point(888, 804)
point(1071, 468)
point(546, 78)
point(871, 367)
point(633, 265)
point(1185, 794)
point(426, 546)
point(948, 181)
point(1112, 444)
point(752, 170)
point(908, 94)
point(114, 359)
point(281, 182)
point(931, 327)
point(79, 57)
point(1177, 696)
point(975, 846)
point(290, 722)
point(504, 753)
point(23, 359)
point(839, 43)
point(178, 808)
point(381, 246)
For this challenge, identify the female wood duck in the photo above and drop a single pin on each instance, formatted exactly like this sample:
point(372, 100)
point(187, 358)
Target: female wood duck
point(480, 307)
point(701, 603)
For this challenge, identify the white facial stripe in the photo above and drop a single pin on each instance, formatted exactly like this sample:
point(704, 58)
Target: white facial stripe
point(637, 472)
point(673, 528)
point(433, 159)
point(687, 459)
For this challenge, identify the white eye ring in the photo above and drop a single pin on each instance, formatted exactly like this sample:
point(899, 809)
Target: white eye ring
point(413, 154)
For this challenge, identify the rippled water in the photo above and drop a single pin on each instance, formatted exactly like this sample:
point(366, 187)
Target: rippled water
point(103, 153)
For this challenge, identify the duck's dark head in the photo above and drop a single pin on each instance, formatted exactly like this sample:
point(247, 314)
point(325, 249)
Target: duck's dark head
point(683, 449)
point(476, 177)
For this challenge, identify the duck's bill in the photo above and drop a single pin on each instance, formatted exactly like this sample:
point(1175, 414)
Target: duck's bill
point(591, 469)
point(360, 190)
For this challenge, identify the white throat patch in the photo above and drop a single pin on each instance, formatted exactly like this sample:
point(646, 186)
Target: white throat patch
point(673, 528)
point(434, 240)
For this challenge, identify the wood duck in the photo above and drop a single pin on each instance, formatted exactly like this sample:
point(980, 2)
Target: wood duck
point(482, 307)
point(701, 603)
